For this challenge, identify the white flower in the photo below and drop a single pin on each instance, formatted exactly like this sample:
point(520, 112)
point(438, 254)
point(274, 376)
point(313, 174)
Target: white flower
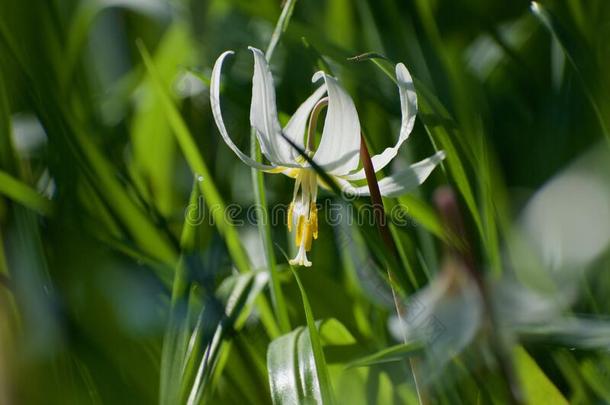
point(337, 152)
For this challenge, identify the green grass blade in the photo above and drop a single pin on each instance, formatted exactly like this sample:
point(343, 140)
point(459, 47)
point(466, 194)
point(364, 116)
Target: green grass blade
point(258, 181)
point(24, 194)
point(576, 52)
point(197, 164)
point(537, 386)
point(235, 298)
point(177, 333)
point(441, 128)
point(280, 27)
point(391, 354)
point(264, 230)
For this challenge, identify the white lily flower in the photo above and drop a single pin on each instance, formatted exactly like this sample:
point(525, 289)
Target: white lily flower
point(337, 152)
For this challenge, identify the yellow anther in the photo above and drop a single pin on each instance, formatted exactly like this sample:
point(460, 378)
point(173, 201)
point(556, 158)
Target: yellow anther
point(299, 233)
point(306, 215)
point(308, 234)
point(289, 218)
point(313, 220)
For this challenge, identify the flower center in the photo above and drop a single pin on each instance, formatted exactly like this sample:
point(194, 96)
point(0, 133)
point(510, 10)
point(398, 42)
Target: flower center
point(303, 214)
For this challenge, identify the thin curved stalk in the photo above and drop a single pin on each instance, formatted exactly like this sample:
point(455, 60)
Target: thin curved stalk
point(386, 235)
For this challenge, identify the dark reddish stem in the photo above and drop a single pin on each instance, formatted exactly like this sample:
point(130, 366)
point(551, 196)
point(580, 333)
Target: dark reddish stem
point(378, 210)
point(384, 231)
point(448, 207)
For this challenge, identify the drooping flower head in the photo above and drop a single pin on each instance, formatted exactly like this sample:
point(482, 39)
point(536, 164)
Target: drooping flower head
point(337, 152)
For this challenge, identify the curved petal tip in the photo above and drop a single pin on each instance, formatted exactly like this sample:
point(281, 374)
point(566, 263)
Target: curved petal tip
point(317, 76)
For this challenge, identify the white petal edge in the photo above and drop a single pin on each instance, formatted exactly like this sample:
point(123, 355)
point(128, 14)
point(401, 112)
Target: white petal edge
point(215, 104)
point(295, 128)
point(263, 111)
point(400, 182)
point(408, 108)
point(339, 149)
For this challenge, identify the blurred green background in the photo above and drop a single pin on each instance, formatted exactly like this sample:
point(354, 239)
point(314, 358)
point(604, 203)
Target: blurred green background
point(98, 156)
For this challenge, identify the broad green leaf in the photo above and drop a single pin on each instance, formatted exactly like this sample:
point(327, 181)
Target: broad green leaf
point(292, 372)
point(292, 368)
point(323, 378)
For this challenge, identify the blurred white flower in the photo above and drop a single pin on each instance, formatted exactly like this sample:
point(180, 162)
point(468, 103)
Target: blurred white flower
point(562, 230)
point(445, 315)
point(29, 137)
point(567, 222)
point(338, 150)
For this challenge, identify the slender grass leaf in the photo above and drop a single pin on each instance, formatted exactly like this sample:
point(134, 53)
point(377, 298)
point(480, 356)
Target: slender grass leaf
point(424, 214)
point(391, 354)
point(258, 181)
point(175, 342)
point(538, 389)
point(596, 376)
point(576, 52)
point(197, 164)
point(215, 203)
point(65, 132)
point(153, 143)
point(24, 194)
point(221, 316)
point(280, 27)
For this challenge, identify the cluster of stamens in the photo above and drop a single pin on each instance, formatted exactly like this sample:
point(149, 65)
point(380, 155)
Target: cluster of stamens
point(303, 214)
point(303, 211)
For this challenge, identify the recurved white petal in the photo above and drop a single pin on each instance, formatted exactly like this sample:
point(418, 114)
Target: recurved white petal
point(408, 179)
point(338, 152)
point(295, 128)
point(215, 103)
point(400, 182)
point(408, 108)
point(263, 114)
